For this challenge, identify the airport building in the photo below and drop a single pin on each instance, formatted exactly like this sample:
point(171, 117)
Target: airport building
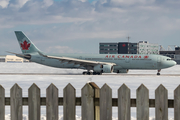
point(142, 47)
point(148, 48)
point(2, 58)
point(12, 59)
point(174, 54)
point(108, 48)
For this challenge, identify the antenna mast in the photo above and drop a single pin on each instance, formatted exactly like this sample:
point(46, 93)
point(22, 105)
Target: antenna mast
point(128, 38)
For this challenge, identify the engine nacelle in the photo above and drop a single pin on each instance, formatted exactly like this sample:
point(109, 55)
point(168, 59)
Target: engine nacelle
point(122, 71)
point(103, 68)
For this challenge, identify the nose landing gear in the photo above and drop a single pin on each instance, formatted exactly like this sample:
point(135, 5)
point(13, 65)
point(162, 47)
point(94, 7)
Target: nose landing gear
point(159, 72)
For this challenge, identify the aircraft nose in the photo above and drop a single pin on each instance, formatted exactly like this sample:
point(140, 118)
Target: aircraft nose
point(175, 63)
point(170, 63)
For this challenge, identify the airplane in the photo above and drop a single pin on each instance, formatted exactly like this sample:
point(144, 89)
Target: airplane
point(98, 63)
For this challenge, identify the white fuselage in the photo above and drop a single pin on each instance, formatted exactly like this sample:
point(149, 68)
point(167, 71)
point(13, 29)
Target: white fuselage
point(122, 61)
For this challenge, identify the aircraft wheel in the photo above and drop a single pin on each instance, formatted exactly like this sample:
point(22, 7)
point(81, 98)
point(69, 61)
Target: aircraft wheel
point(94, 73)
point(89, 73)
point(100, 73)
point(84, 73)
point(158, 74)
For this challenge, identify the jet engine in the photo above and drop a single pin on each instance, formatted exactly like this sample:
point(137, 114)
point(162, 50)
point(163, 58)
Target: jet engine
point(103, 68)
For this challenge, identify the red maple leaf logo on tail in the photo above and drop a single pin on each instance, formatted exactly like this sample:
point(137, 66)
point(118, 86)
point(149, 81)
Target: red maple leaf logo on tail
point(25, 45)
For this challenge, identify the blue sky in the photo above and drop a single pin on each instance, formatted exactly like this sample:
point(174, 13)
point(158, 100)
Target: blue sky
point(77, 26)
point(87, 0)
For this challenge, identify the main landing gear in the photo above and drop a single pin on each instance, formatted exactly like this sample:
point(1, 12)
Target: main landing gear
point(91, 73)
point(159, 72)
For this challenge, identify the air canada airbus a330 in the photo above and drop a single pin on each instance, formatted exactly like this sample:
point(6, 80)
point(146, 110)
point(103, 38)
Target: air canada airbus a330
point(98, 63)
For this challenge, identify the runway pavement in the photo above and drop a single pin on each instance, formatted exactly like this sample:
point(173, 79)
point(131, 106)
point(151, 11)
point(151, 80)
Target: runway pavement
point(114, 74)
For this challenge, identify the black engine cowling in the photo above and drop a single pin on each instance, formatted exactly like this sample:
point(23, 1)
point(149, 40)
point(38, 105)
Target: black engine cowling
point(103, 68)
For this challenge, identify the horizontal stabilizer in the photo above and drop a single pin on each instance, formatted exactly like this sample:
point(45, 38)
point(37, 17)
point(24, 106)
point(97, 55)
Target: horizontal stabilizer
point(21, 55)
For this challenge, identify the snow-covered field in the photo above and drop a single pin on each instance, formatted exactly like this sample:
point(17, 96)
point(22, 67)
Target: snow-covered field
point(78, 81)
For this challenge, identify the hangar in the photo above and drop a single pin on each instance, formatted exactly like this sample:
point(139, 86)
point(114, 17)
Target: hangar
point(12, 59)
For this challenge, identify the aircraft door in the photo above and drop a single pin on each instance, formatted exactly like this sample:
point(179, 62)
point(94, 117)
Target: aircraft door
point(127, 60)
point(158, 59)
point(158, 62)
point(42, 60)
point(127, 63)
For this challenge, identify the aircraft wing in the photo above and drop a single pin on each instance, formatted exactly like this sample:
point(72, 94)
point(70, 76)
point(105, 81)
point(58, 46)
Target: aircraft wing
point(78, 61)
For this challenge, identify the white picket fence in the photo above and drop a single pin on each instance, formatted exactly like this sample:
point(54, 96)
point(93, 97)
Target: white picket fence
point(96, 103)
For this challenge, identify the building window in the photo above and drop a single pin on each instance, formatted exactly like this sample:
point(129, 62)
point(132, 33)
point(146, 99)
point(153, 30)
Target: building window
point(113, 45)
point(104, 45)
point(112, 53)
point(112, 49)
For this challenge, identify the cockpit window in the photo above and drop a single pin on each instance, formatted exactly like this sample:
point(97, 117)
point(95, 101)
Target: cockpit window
point(169, 59)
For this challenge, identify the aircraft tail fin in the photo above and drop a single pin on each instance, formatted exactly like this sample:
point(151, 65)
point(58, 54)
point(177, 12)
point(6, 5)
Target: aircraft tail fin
point(25, 43)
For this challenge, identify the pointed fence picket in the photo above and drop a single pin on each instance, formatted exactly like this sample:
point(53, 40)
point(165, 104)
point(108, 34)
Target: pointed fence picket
point(52, 103)
point(96, 103)
point(34, 102)
point(2, 103)
point(142, 103)
point(161, 103)
point(16, 102)
point(106, 103)
point(124, 103)
point(177, 103)
point(87, 101)
point(69, 102)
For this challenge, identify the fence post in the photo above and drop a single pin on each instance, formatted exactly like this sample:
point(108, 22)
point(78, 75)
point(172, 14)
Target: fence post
point(106, 103)
point(69, 102)
point(161, 103)
point(2, 103)
point(52, 102)
point(124, 109)
point(177, 103)
point(96, 95)
point(87, 102)
point(34, 102)
point(142, 103)
point(16, 102)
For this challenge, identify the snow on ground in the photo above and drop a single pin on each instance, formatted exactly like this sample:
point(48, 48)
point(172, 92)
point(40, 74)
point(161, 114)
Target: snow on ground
point(74, 77)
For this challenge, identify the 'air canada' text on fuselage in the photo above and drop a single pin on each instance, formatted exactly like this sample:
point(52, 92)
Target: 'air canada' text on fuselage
point(126, 56)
